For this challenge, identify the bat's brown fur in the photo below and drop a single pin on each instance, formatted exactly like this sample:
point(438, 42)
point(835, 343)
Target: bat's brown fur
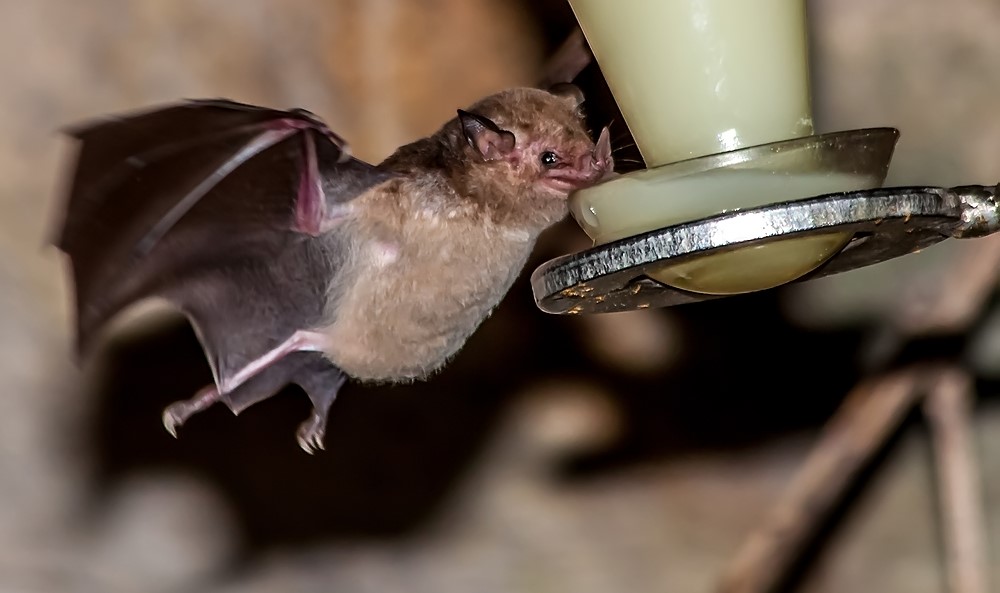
point(435, 250)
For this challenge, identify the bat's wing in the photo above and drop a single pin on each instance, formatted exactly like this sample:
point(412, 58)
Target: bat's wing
point(217, 207)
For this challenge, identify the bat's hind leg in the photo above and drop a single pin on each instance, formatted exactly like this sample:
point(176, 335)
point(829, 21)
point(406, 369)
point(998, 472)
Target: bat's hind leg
point(322, 388)
point(301, 341)
point(177, 413)
point(321, 384)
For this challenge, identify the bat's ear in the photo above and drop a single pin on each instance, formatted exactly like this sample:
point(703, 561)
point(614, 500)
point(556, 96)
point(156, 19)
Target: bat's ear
point(485, 136)
point(569, 91)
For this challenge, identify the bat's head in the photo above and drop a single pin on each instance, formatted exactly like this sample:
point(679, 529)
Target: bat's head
point(528, 149)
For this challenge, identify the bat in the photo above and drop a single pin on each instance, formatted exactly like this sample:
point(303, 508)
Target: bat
point(297, 263)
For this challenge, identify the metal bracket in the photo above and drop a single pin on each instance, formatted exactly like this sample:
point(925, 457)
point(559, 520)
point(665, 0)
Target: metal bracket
point(886, 223)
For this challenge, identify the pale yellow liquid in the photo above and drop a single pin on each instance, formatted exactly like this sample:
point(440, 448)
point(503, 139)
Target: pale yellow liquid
point(605, 216)
point(699, 77)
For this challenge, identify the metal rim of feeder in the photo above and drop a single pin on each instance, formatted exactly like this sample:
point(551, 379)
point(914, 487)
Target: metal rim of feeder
point(886, 223)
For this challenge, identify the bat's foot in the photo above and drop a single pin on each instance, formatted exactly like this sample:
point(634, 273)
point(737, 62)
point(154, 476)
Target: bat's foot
point(177, 413)
point(321, 383)
point(311, 432)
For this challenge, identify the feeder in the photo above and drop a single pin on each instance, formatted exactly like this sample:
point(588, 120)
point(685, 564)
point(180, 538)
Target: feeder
point(740, 193)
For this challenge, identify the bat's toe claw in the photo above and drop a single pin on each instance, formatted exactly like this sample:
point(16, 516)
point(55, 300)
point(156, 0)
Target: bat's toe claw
point(177, 413)
point(172, 420)
point(310, 434)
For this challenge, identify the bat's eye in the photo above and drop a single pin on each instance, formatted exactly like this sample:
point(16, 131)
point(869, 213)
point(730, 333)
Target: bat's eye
point(549, 159)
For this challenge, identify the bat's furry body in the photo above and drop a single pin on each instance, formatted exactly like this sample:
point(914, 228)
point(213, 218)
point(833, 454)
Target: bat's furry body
point(299, 264)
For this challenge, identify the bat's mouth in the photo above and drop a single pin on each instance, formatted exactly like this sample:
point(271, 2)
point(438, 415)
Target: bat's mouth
point(565, 184)
point(568, 181)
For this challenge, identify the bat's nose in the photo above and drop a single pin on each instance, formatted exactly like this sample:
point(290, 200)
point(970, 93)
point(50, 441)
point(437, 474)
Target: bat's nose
point(601, 157)
point(602, 150)
point(596, 163)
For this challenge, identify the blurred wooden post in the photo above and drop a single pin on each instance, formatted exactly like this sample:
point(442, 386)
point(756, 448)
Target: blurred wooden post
point(568, 61)
point(859, 429)
point(948, 409)
point(871, 413)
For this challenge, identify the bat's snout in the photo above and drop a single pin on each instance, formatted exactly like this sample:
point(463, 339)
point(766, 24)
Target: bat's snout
point(598, 164)
point(601, 158)
point(597, 161)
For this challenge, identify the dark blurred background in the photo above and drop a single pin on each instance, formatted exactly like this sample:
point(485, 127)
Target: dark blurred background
point(627, 452)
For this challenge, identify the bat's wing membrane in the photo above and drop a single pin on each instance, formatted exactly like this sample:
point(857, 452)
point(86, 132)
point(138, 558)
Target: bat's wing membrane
point(212, 205)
